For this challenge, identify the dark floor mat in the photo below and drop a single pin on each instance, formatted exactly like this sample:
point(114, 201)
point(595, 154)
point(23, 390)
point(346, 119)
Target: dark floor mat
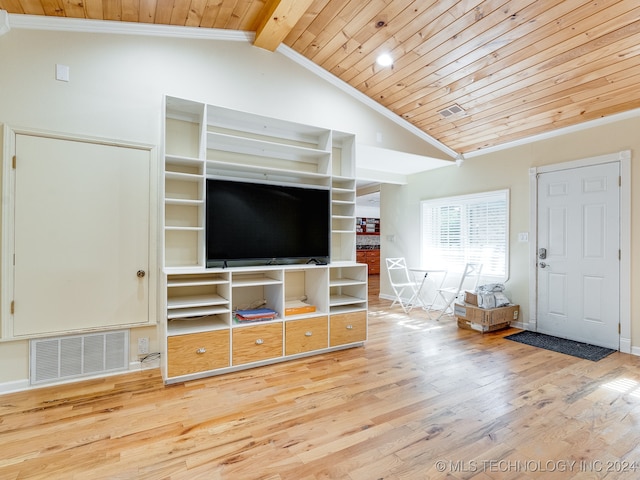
point(561, 345)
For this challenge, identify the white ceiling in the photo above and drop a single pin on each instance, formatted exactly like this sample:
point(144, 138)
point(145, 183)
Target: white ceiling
point(394, 162)
point(369, 200)
point(376, 166)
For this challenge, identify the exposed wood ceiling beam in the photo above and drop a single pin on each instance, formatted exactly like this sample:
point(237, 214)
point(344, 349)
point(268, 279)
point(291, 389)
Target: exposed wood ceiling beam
point(279, 19)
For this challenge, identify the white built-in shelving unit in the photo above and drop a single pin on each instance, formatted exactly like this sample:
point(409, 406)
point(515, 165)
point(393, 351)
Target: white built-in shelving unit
point(202, 336)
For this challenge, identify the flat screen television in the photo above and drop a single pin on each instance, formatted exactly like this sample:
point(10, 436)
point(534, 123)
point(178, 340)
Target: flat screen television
point(252, 223)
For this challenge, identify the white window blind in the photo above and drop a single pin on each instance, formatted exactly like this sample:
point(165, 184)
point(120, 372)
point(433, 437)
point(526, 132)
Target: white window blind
point(468, 228)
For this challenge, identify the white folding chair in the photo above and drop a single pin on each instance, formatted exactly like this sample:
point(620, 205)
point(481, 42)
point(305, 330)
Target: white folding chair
point(468, 281)
point(404, 286)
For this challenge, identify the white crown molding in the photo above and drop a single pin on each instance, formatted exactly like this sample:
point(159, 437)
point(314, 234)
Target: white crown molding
point(39, 22)
point(4, 22)
point(556, 133)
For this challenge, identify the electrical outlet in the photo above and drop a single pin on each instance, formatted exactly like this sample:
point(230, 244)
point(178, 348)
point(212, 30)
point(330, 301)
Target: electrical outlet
point(143, 345)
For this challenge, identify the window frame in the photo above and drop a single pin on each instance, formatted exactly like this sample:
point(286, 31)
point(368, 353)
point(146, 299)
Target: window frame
point(465, 201)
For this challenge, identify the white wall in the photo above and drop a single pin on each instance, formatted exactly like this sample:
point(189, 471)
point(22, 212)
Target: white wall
point(116, 89)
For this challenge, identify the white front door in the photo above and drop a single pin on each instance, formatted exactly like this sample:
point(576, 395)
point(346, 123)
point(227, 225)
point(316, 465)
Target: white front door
point(578, 254)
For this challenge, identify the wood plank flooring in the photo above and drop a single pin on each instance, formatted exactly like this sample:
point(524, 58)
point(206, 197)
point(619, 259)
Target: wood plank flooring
point(421, 400)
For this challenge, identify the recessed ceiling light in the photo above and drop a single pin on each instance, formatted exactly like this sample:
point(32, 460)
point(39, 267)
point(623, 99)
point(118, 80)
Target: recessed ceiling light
point(384, 60)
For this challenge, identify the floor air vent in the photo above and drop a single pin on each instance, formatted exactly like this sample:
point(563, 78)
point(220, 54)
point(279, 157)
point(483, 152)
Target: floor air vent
point(62, 358)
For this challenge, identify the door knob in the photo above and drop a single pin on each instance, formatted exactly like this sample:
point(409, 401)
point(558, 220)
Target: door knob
point(543, 265)
point(141, 273)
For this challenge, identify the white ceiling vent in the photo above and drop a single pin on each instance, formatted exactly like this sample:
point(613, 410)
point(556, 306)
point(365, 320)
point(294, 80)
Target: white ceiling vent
point(63, 358)
point(454, 109)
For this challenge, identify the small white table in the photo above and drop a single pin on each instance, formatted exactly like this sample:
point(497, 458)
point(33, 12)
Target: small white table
point(425, 272)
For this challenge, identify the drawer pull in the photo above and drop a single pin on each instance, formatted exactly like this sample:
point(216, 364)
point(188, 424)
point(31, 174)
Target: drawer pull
point(349, 327)
point(259, 341)
point(308, 334)
point(201, 350)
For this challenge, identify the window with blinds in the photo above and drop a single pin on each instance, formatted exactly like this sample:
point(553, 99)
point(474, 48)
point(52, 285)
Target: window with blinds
point(468, 228)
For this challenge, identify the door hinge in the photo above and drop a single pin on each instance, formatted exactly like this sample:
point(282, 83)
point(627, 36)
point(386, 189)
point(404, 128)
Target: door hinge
point(620, 180)
point(619, 254)
point(13, 162)
point(619, 329)
point(13, 307)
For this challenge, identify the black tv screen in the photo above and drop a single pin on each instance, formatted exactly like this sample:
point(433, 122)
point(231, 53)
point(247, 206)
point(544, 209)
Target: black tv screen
point(251, 221)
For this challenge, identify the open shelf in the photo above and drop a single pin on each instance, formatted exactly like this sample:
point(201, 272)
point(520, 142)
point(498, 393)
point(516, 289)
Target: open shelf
point(228, 169)
point(250, 280)
point(262, 148)
point(195, 325)
point(195, 280)
point(193, 301)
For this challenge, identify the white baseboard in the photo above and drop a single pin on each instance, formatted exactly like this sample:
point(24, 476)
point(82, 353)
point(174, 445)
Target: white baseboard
point(15, 386)
point(146, 365)
point(520, 325)
point(22, 385)
point(632, 351)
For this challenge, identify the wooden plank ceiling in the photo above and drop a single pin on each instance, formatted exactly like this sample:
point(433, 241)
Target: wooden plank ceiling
point(470, 73)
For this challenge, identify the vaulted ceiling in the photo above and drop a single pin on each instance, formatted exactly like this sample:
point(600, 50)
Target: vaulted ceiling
point(471, 74)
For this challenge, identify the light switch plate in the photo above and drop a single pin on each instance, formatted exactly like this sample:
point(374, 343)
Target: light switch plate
point(62, 72)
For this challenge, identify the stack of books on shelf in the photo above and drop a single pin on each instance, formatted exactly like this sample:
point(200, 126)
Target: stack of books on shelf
point(255, 315)
point(297, 307)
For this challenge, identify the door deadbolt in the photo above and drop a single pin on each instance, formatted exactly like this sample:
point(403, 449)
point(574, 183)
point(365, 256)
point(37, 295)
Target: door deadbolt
point(542, 253)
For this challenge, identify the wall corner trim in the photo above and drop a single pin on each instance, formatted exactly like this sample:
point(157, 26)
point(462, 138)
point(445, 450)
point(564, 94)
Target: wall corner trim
point(4, 22)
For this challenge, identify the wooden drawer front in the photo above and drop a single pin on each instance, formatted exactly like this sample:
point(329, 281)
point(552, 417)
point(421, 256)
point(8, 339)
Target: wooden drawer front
point(373, 260)
point(252, 344)
point(306, 335)
point(348, 328)
point(197, 352)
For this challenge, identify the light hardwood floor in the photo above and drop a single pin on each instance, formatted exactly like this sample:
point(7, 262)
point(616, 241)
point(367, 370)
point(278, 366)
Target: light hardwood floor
point(421, 400)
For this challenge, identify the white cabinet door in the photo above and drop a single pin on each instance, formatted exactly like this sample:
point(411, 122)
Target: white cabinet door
point(81, 236)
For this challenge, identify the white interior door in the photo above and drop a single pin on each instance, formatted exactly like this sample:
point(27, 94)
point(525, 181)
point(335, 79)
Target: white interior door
point(578, 254)
point(81, 234)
